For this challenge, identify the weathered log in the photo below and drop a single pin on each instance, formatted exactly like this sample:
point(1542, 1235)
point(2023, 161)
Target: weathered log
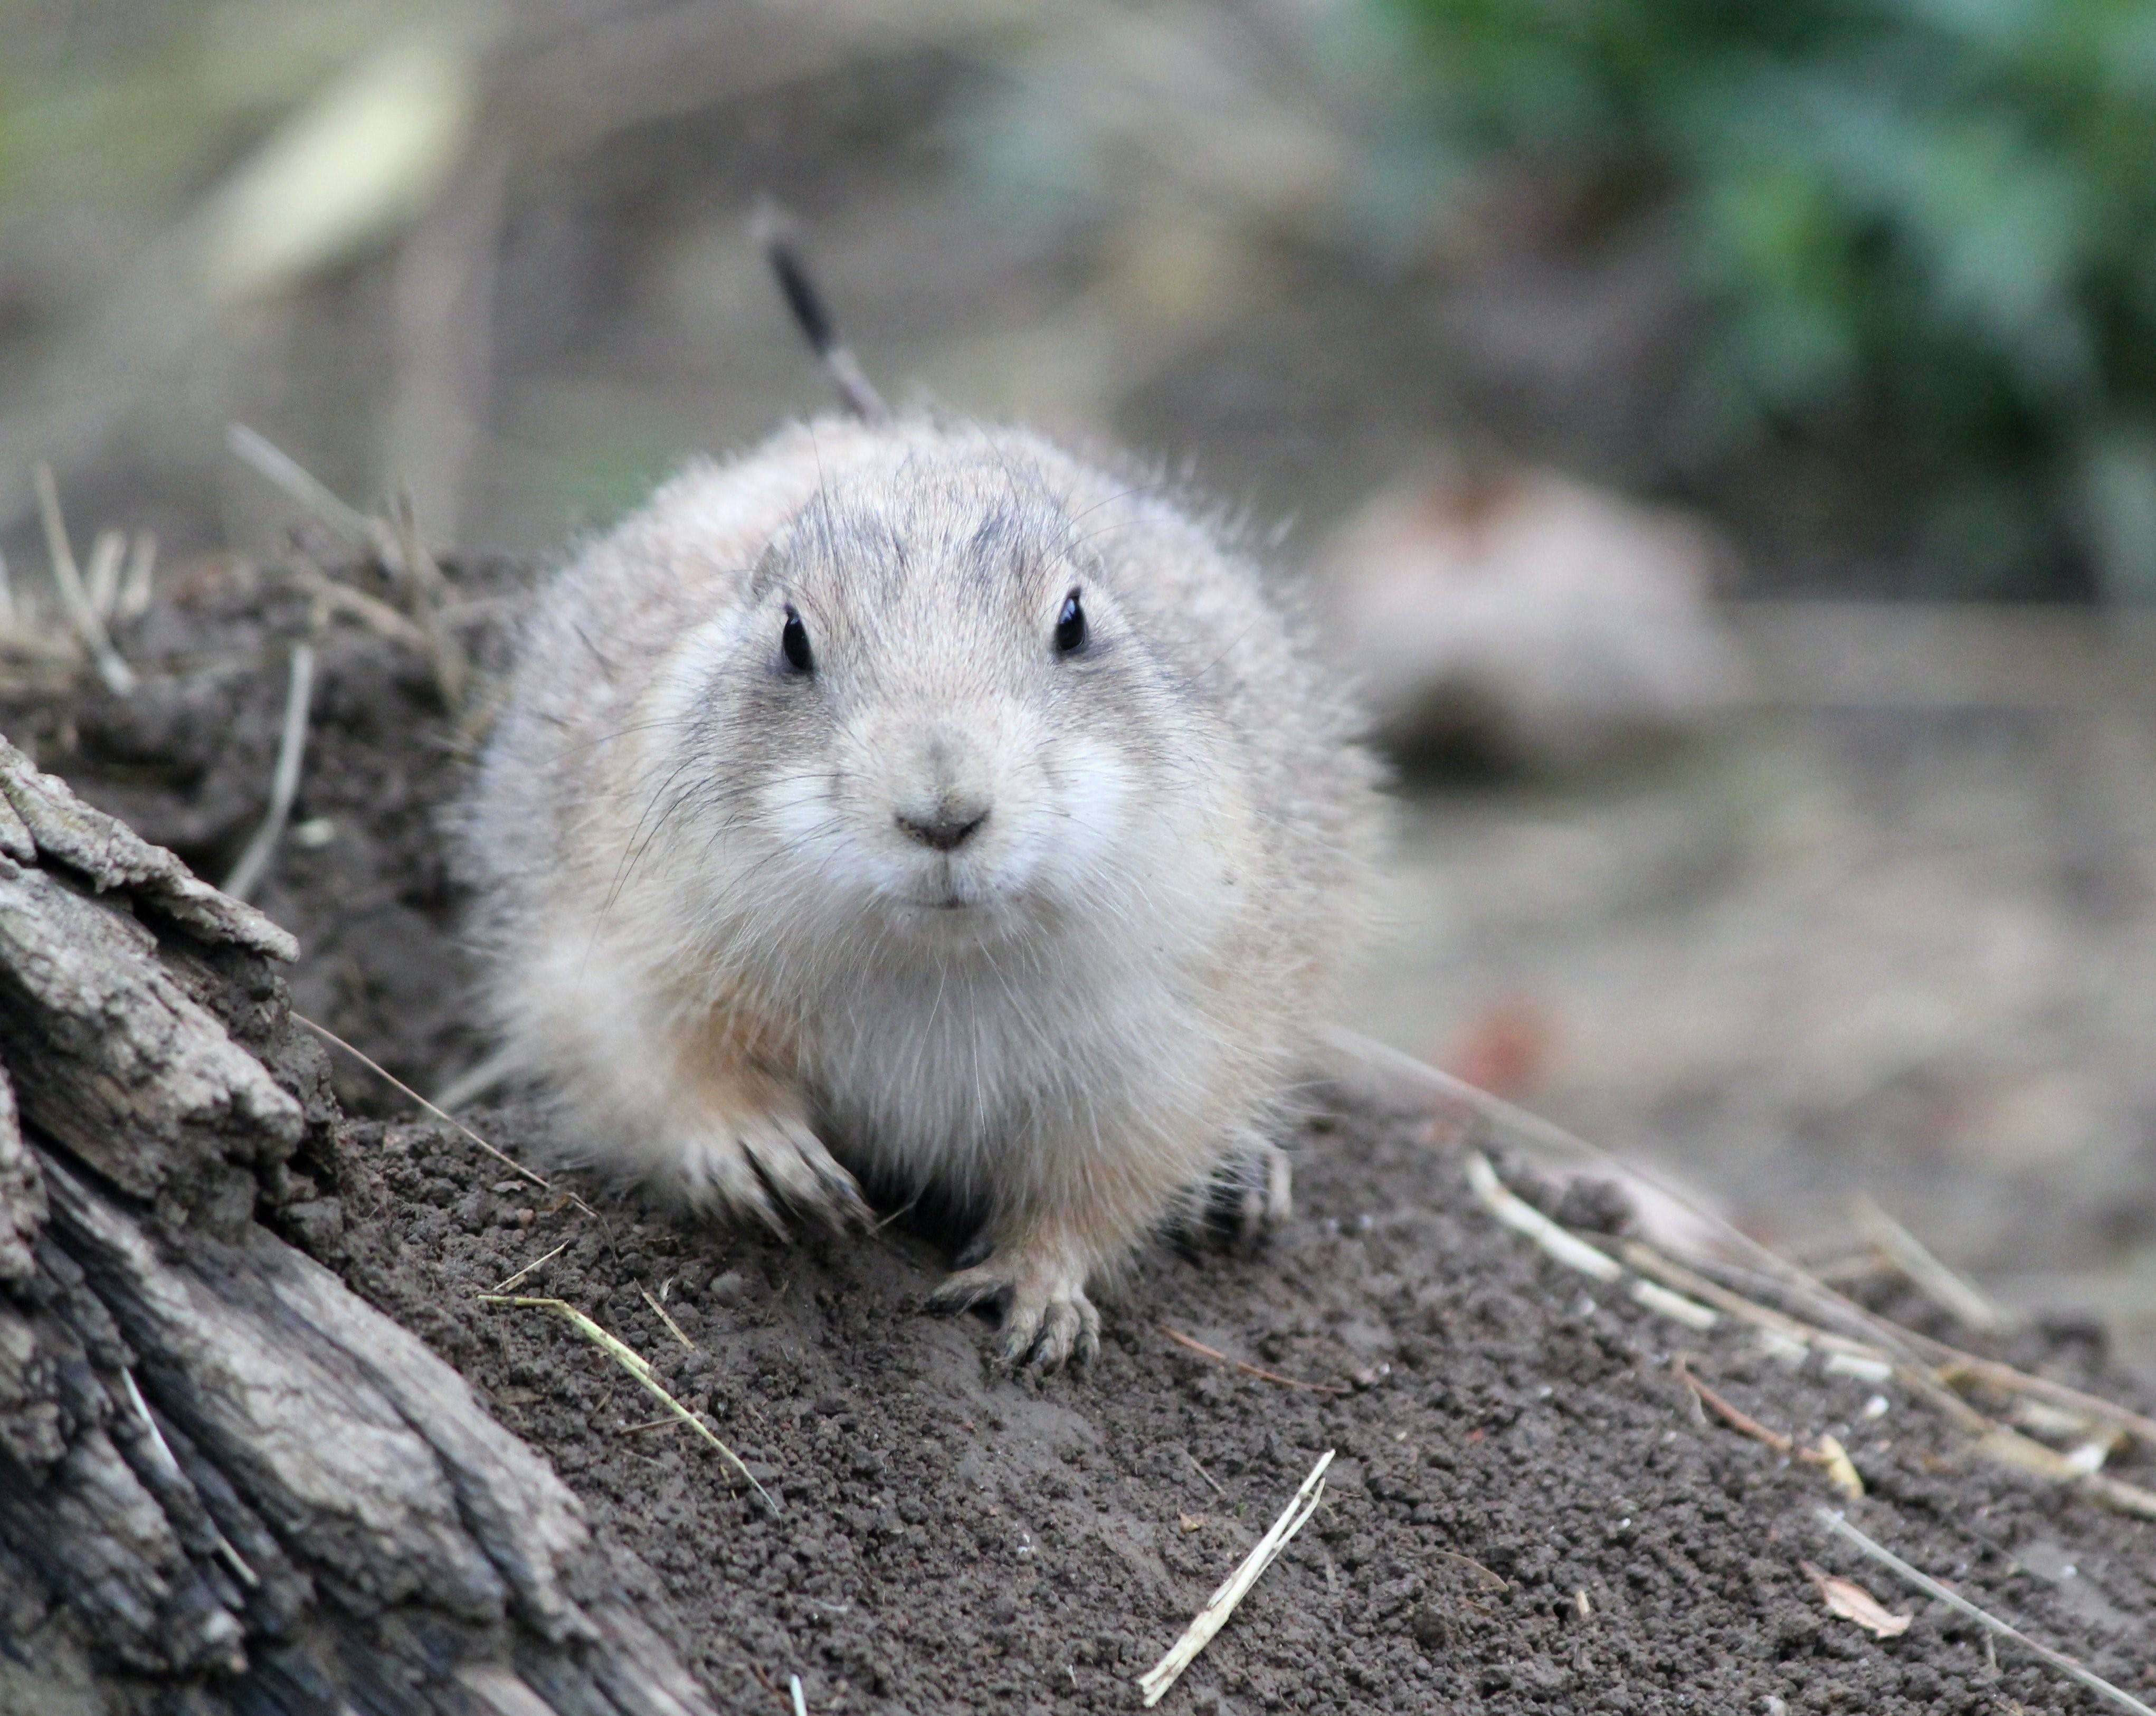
point(226, 1483)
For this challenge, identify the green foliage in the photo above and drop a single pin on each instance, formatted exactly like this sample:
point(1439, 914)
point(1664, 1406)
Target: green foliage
point(1937, 217)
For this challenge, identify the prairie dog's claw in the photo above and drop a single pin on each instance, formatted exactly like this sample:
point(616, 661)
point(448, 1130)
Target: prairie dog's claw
point(761, 1163)
point(1249, 1195)
point(1047, 1319)
point(1048, 1338)
point(1268, 1192)
point(963, 1289)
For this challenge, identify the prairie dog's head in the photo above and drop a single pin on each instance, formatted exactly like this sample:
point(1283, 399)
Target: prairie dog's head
point(929, 718)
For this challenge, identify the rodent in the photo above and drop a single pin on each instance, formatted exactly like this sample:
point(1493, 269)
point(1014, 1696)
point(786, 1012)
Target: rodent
point(913, 806)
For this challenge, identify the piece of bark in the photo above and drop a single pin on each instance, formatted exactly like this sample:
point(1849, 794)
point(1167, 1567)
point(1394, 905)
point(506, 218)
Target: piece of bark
point(58, 828)
point(226, 1482)
point(21, 1192)
point(112, 1059)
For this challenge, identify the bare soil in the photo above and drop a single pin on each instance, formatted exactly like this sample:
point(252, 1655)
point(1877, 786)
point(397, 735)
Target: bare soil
point(1527, 1511)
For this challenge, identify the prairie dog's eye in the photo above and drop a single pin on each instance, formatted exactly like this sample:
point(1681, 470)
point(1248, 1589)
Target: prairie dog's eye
point(793, 640)
point(1070, 626)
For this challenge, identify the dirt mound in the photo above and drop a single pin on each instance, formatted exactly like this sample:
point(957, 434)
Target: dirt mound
point(1529, 1511)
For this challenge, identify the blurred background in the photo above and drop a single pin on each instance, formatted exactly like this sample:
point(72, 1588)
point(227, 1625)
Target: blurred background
point(1721, 437)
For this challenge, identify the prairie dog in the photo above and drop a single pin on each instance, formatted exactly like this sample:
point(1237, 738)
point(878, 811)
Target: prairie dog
point(910, 805)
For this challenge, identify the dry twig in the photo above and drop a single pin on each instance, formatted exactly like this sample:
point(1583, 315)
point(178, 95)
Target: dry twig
point(1263, 1375)
point(1496, 1579)
point(1729, 1415)
point(1827, 1453)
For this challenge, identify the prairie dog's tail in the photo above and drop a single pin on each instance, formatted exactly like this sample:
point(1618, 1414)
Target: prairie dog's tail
point(774, 230)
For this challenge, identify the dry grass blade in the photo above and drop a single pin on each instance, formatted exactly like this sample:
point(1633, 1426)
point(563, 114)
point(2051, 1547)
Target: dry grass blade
point(380, 1071)
point(634, 1363)
point(1211, 1482)
point(1572, 1251)
point(1523, 1218)
point(100, 578)
point(140, 581)
point(119, 678)
point(1211, 1619)
point(378, 616)
point(1689, 1311)
point(428, 592)
point(1923, 1365)
point(485, 1076)
point(503, 1287)
point(2121, 1496)
point(800, 1698)
point(1857, 1358)
point(673, 1327)
point(315, 497)
point(1914, 1259)
point(284, 779)
point(1263, 1375)
point(233, 1559)
point(1954, 1365)
point(1931, 1587)
point(1393, 1071)
point(2081, 1469)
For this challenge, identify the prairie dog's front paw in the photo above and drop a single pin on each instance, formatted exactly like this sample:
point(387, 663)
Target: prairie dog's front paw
point(763, 1164)
point(1047, 1319)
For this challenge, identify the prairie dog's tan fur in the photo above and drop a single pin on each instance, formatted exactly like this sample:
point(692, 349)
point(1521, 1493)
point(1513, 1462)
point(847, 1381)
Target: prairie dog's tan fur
point(714, 936)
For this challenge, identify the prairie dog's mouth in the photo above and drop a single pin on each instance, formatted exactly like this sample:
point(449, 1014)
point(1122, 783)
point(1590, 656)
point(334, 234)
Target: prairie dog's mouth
point(941, 895)
point(946, 899)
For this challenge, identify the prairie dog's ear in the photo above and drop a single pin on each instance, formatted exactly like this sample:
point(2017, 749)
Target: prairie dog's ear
point(774, 230)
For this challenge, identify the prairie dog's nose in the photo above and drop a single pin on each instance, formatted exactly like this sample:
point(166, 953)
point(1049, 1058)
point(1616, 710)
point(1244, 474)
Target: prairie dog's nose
point(947, 827)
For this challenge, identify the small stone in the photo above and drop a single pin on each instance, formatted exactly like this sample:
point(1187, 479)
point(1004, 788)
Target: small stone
point(728, 1289)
